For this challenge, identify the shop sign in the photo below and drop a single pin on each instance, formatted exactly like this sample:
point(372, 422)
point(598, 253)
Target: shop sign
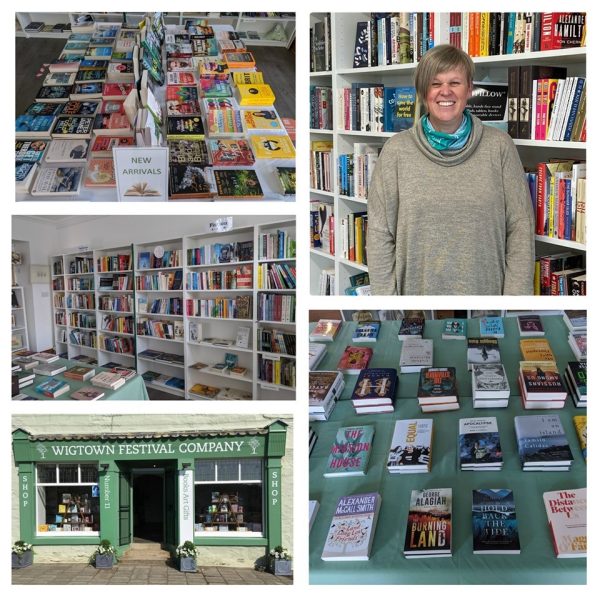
point(186, 505)
point(24, 491)
point(106, 495)
point(275, 493)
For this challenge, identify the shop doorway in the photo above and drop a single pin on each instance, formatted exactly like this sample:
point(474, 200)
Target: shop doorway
point(148, 506)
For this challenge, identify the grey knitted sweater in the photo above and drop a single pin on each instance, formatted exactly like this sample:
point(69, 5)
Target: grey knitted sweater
point(458, 223)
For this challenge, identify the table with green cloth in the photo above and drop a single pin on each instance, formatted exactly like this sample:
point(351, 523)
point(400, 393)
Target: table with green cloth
point(133, 389)
point(536, 564)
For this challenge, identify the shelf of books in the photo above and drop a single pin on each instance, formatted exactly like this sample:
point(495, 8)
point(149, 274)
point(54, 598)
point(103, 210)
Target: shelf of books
point(453, 438)
point(19, 335)
point(361, 94)
point(193, 87)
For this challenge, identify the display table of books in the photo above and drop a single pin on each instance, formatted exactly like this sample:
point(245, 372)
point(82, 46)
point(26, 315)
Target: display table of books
point(62, 379)
point(471, 499)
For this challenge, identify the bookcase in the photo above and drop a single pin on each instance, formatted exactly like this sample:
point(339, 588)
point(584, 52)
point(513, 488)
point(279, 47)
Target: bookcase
point(19, 337)
point(342, 31)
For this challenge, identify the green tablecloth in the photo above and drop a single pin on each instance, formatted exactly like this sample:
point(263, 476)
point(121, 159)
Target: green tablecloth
point(535, 565)
point(134, 388)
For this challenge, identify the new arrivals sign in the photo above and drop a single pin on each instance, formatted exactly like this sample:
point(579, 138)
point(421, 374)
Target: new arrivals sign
point(142, 173)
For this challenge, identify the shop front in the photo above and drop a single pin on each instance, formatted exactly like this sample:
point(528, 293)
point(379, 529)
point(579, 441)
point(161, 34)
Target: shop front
point(218, 488)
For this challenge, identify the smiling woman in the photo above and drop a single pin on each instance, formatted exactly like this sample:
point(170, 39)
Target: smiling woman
point(449, 211)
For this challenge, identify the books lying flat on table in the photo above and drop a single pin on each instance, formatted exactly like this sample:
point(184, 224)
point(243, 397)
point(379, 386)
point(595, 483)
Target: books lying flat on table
point(491, 327)
point(411, 327)
point(479, 444)
point(530, 325)
point(349, 453)
point(416, 354)
point(324, 388)
point(566, 511)
point(576, 379)
point(490, 383)
point(87, 393)
point(540, 385)
point(45, 357)
point(316, 352)
point(53, 388)
point(354, 359)
point(375, 391)
point(482, 351)
point(437, 389)
point(49, 369)
point(410, 450)
point(454, 329)
point(366, 332)
point(536, 349)
point(495, 529)
point(325, 330)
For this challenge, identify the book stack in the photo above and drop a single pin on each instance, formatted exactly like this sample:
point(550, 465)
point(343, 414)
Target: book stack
point(354, 359)
point(429, 524)
point(53, 388)
point(416, 354)
point(482, 351)
point(542, 443)
point(411, 327)
point(454, 329)
point(410, 450)
point(578, 343)
point(324, 388)
point(375, 391)
point(580, 423)
point(576, 378)
point(106, 379)
point(352, 528)
point(312, 439)
point(490, 387)
point(87, 393)
point(437, 389)
point(316, 353)
point(536, 349)
point(79, 373)
point(44, 357)
point(491, 327)
point(49, 369)
point(21, 380)
point(366, 332)
point(540, 385)
point(325, 330)
point(495, 528)
point(25, 362)
point(530, 325)
point(576, 320)
point(566, 511)
point(479, 444)
point(349, 453)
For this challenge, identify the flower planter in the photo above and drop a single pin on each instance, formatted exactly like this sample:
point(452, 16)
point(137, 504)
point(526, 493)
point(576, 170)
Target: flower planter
point(281, 567)
point(104, 561)
point(20, 561)
point(187, 564)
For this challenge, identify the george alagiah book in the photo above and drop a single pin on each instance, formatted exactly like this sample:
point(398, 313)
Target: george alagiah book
point(350, 451)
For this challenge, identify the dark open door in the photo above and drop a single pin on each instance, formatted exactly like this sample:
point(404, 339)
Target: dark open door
point(171, 507)
point(124, 509)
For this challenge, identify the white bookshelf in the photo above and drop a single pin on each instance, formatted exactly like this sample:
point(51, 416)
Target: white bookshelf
point(494, 68)
point(59, 306)
point(19, 334)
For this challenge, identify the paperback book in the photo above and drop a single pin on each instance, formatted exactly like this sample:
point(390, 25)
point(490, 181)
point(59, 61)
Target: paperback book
point(542, 443)
point(566, 511)
point(576, 378)
point(411, 327)
point(366, 332)
point(67, 151)
point(495, 528)
point(230, 153)
point(325, 330)
point(237, 183)
point(58, 181)
point(349, 453)
point(316, 353)
point(30, 151)
point(410, 450)
point(272, 146)
point(482, 351)
point(491, 327)
point(190, 181)
point(416, 354)
point(536, 349)
point(479, 446)
point(530, 325)
point(354, 359)
point(454, 329)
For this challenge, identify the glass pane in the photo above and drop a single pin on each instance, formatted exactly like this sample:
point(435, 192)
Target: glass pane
point(228, 469)
point(89, 473)
point(67, 473)
point(251, 469)
point(46, 473)
point(205, 470)
point(64, 509)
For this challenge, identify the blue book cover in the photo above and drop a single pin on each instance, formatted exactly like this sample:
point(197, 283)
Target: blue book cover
point(495, 529)
point(375, 384)
point(366, 332)
point(479, 443)
point(399, 108)
point(34, 123)
point(491, 327)
point(541, 440)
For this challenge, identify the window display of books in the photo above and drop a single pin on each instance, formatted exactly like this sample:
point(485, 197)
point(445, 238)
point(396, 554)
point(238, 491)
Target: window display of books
point(225, 513)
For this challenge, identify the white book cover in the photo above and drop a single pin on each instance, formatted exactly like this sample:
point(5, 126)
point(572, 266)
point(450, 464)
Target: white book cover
point(490, 381)
point(313, 508)
point(415, 354)
point(316, 352)
point(58, 181)
point(410, 450)
point(566, 511)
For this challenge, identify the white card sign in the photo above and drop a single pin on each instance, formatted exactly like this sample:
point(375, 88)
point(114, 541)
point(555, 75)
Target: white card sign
point(222, 224)
point(142, 174)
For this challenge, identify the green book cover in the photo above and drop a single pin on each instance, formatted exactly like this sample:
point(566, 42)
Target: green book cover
point(349, 454)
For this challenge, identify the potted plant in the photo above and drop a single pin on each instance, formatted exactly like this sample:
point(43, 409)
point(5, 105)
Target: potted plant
point(105, 555)
point(187, 554)
point(280, 561)
point(22, 554)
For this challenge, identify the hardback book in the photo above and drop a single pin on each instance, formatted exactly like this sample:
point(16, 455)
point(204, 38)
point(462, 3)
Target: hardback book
point(325, 330)
point(349, 453)
point(482, 351)
point(578, 343)
point(66, 79)
point(112, 124)
point(32, 126)
point(454, 329)
point(580, 423)
point(215, 89)
point(72, 128)
point(266, 121)
point(79, 373)
point(576, 320)
point(411, 327)
point(576, 378)
point(44, 109)
point(183, 128)
point(530, 325)
point(30, 151)
point(416, 354)
point(102, 146)
point(495, 528)
point(410, 450)
point(91, 76)
point(352, 529)
point(49, 369)
point(437, 385)
point(429, 524)
point(490, 382)
point(100, 173)
point(536, 349)
point(224, 122)
point(491, 327)
point(78, 108)
point(566, 511)
point(87, 393)
point(287, 178)
point(185, 152)
point(255, 94)
point(67, 151)
point(58, 181)
point(366, 332)
point(230, 153)
point(106, 379)
point(324, 387)
point(45, 357)
point(313, 509)
point(54, 93)
point(53, 388)
point(354, 359)
point(190, 181)
point(540, 380)
point(316, 353)
point(247, 77)
point(24, 174)
point(237, 183)
point(239, 60)
point(542, 443)
point(375, 387)
point(182, 78)
point(479, 446)
point(86, 91)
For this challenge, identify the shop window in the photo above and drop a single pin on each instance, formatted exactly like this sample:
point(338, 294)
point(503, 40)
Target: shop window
point(229, 497)
point(67, 500)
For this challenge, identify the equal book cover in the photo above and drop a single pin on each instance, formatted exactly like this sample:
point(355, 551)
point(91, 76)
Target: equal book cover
point(349, 453)
point(410, 450)
point(352, 528)
point(495, 528)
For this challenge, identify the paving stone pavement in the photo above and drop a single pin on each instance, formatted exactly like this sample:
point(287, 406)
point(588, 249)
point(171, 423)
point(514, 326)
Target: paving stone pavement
point(144, 573)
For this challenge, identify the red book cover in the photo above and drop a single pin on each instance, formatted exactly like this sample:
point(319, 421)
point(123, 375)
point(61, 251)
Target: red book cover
point(562, 30)
point(354, 359)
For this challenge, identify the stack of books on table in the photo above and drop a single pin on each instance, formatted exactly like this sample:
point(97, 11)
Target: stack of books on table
point(479, 444)
point(45, 357)
point(536, 349)
point(454, 329)
point(482, 351)
point(354, 359)
point(491, 327)
point(411, 327)
point(49, 369)
point(375, 391)
point(540, 385)
point(324, 388)
point(490, 387)
point(312, 439)
point(108, 380)
point(489, 509)
point(53, 388)
point(410, 450)
point(366, 332)
point(530, 325)
point(87, 393)
point(576, 320)
point(349, 454)
point(316, 353)
point(325, 330)
point(566, 511)
point(79, 373)
point(25, 361)
point(21, 380)
point(416, 354)
point(542, 443)
point(437, 389)
point(576, 378)
point(578, 343)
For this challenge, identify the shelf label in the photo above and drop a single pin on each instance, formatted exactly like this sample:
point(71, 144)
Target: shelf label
point(142, 174)
point(222, 224)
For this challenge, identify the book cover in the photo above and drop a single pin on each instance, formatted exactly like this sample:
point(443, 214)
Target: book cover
point(566, 511)
point(102, 146)
point(411, 327)
point(44, 109)
point(211, 88)
point(61, 151)
point(30, 151)
point(86, 91)
point(79, 373)
point(325, 330)
point(54, 93)
point(479, 443)
point(541, 440)
point(237, 183)
point(429, 523)
point(190, 181)
point(247, 77)
point(185, 128)
point(73, 127)
point(401, 107)
point(349, 453)
point(261, 120)
point(577, 375)
point(491, 327)
point(366, 332)
point(185, 152)
point(416, 353)
point(375, 386)
point(230, 152)
point(40, 126)
point(80, 108)
point(59, 181)
point(87, 393)
point(224, 122)
point(495, 529)
point(52, 388)
point(316, 352)
point(256, 94)
point(437, 385)
point(530, 325)
point(352, 528)
point(576, 320)
point(182, 100)
point(580, 423)
point(100, 173)
point(322, 386)
point(490, 381)
point(536, 349)
point(410, 449)
point(354, 359)
point(454, 329)
point(287, 178)
point(482, 351)
point(542, 378)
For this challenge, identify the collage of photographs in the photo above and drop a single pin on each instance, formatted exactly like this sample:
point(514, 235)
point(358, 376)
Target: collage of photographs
point(443, 158)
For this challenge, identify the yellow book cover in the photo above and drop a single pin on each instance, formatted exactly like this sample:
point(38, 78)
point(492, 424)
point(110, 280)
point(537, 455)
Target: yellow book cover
point(580, 422)
point(261, 120)
point(62, 508)
point(484, 38)
point(256, 94)
point(272, 146)
point(247, 77)
point(536, 349)
point(537, 279)
point(42, 528)
point(321, 146)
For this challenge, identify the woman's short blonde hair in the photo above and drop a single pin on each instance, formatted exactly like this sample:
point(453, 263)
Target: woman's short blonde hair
point(441, 59)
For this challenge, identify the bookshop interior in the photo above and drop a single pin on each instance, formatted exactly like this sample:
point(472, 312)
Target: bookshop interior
point(508, 393)
point(155, 107)
point(153, 308)
point(530, 74)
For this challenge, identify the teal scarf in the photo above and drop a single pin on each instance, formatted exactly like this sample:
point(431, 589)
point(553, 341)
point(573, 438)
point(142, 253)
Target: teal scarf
point(441, 141)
